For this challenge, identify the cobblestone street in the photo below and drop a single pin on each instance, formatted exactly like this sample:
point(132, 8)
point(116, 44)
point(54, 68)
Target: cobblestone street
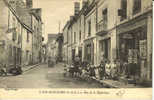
point(44, 77)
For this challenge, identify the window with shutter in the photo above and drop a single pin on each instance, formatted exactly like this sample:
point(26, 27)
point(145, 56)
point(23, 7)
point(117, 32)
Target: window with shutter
point(27, 36)
point(14, 37)
point(124, 9)
point(136, 6)
point(89, 28)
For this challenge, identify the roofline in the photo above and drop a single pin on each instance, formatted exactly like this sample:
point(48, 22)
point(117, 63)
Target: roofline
point(34, 14)
point(14, 13)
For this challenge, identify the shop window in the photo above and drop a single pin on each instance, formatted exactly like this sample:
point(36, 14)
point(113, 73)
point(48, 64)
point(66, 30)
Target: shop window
point(136, 6)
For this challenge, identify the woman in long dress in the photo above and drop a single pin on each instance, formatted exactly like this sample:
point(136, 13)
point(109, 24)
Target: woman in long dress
point(113, 69)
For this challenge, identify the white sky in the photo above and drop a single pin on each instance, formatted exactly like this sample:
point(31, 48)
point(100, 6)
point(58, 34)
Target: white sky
point(53, 12)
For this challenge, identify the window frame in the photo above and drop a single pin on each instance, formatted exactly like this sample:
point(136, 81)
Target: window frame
point(28, 36)
point(124, 9)
point(137, 6)
point(89, 27)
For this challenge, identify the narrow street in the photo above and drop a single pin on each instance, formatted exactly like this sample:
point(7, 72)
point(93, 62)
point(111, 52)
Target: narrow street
point(44, 77)
point(109, 42)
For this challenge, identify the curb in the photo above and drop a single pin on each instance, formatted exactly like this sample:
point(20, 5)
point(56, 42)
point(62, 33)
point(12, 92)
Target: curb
point(106, 84)
point(33, 66)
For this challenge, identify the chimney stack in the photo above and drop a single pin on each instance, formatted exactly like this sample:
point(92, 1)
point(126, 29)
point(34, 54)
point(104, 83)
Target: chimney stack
point(76, 8)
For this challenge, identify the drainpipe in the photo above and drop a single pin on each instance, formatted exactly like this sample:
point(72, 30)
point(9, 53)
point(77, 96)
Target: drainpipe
point(32, 38)
point(21, 42)
point(96, 32)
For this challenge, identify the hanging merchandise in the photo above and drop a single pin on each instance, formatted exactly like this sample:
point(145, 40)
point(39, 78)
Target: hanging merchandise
point(143, 49)
point(130, 56)
point(135, 56)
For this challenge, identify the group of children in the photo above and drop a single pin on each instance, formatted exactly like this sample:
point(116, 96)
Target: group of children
point(106, 70)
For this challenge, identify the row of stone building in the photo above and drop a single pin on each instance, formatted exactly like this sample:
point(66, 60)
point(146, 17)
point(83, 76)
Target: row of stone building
point(115, 29)
point(54, 46)
point(20, 33)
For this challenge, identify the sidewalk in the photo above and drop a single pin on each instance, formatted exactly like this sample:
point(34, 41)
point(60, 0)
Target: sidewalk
point(115, 83)
point(29, 67)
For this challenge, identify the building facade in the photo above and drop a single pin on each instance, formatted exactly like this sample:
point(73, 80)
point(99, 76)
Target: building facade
point(37, 34)
point(52, 46)
point(59, 42)
point(114, 29)
point(16, 33)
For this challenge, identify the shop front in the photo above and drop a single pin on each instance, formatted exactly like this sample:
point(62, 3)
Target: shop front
point(105, 47)
point(89, 51)
point(132, 48)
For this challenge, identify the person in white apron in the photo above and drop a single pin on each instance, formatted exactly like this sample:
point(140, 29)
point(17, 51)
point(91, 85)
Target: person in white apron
point(113, 69)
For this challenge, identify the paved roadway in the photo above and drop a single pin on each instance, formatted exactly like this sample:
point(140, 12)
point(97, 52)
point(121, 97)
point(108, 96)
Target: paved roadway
point(44, 77)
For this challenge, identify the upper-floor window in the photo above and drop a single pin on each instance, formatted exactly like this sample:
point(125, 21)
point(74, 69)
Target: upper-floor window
point(80, 22)
point(136, 6)
point(34, 28)
point(74, 37)
point(89, 27)
point(27, 36)
point(80, 36)
point(27, 54)
point(104, 14)
point(14, 34)
point(123, 9)
point(37, 29)
point(14, 23)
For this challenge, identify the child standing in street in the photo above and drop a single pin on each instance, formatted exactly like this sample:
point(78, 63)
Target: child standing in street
point(108, 69)
point(102, 70)
point(97, 72)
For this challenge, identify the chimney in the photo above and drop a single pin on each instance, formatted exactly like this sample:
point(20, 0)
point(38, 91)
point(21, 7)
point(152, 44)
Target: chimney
point(29, 4)
point(76, 8)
